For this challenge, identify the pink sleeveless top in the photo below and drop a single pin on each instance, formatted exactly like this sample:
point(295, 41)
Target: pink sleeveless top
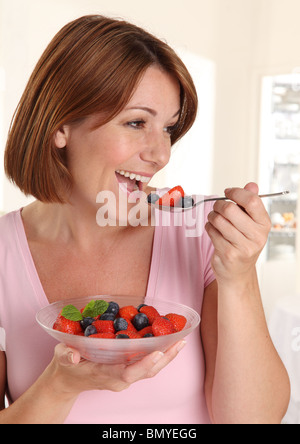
point(180, 270)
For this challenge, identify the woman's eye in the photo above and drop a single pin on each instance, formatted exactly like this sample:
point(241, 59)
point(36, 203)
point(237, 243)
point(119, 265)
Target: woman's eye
point(170, 129)
point(140, 124)
point(136, 124)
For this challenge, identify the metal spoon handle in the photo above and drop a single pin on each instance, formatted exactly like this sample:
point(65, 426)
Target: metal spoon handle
point(226, 198)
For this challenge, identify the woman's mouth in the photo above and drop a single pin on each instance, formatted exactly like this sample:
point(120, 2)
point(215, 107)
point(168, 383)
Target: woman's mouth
point(131, 181)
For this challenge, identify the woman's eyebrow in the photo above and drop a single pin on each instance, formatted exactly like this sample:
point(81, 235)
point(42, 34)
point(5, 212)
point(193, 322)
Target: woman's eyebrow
point(150, 110)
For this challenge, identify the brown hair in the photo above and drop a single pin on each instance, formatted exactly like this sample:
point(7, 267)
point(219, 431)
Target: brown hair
point(91, 66)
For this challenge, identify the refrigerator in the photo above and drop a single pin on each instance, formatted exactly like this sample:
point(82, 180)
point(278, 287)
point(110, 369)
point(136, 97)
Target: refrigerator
point(279, 170)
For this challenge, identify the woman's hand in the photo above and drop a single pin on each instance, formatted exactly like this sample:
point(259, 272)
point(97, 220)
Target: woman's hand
point(71, 375)
point(239, 231)
point(51, 397)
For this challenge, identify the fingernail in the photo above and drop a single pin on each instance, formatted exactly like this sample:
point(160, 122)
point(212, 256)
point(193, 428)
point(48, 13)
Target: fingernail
point(71, 357)
point(157, 357)
point(180, 345)
point(227, 190)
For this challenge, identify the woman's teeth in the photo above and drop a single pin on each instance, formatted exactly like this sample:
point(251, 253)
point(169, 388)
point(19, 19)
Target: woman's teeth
point(133, 176)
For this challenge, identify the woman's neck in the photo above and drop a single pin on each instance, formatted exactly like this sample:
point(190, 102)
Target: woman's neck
point(66, 223)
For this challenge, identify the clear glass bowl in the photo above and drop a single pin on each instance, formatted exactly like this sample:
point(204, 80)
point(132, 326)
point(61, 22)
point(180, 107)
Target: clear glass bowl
point(117, 351)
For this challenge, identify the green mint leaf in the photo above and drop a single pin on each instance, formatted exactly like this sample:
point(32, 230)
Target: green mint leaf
point(101, 307)
point(88, 311)
point(72, 313)
point(95, 308)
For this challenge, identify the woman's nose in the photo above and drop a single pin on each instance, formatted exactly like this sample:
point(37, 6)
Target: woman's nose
point(157, 150)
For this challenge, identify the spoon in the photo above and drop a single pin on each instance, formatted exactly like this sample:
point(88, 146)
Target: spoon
point(180, 209)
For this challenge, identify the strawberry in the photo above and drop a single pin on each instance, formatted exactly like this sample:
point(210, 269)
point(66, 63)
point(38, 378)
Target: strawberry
point(131, 334)
point(128, 312)
point(130, 327)
point(103, 335)
point(67, 326)
point(162, 326)
point(150, 312)
point(104, 326)
point(177, 320)
point(146, 330)
point(172, 197)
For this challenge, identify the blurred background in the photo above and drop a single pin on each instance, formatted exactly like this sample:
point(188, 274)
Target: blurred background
point(244, 58)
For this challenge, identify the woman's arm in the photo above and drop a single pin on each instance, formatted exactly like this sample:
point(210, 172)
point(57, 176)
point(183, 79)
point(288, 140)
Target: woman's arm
point(209, 336)
point(40, 404)
point(50, 399)
point(246, 380)
point(2, 379)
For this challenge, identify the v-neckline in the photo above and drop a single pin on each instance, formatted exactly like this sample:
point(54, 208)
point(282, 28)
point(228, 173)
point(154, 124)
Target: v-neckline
point(34, 276)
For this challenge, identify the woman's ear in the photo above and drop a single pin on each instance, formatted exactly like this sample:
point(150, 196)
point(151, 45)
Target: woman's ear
point(61, 137)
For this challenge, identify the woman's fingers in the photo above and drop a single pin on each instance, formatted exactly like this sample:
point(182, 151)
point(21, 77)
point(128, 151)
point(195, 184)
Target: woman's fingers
point(223, 219)
point(249, 201)
point(66, 356)
point(151, 364)
point(246, 213)
point(88, 375)
point(239, 230)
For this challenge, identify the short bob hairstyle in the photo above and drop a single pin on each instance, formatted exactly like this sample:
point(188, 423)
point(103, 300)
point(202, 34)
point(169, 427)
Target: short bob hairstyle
point(91, 66)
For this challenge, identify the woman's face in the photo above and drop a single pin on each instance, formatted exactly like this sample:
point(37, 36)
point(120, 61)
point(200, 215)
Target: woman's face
point(127, 151)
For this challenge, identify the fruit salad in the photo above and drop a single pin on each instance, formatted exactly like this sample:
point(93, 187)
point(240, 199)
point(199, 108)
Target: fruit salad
point(175, 197)
point(102, 319)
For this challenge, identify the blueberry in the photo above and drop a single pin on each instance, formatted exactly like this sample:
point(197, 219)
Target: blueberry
point(152, 198)
point(140, 321)
point(85, 322)
point(140, 306)
point(107, 316)
point(148, 335)
point(122, 336)
point(90, 330)
point(187, 202)
point(120, 324)
point(113, 307)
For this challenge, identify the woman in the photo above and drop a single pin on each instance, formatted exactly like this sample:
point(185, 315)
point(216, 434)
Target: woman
point(106, 99)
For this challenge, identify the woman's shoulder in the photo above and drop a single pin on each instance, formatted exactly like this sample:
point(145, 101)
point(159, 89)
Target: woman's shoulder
point(8, 224)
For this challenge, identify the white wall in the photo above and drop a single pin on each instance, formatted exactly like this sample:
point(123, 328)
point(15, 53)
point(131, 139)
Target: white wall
point(191, 161)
